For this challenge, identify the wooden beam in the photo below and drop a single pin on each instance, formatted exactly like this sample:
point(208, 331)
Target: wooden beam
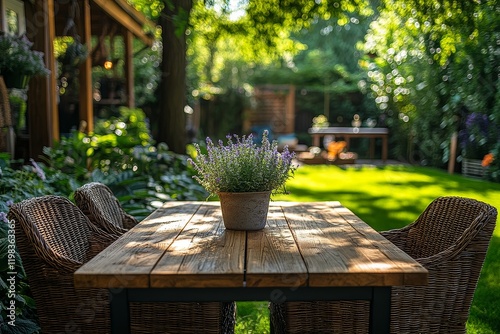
point(122, 17)
point(50, 63)
point(2, 5)
point(129, 68)
point(43, 121)
point(137, 15)
point(85, 75)
point(453, 153)
point(290, 110)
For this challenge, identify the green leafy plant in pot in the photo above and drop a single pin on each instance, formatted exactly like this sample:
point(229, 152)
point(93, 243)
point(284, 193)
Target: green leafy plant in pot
point(243, 175)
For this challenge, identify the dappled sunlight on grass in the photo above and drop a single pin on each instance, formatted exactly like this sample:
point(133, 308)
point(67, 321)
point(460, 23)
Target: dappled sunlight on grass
point(394, 196)
point(387, 197)
point(485, 313)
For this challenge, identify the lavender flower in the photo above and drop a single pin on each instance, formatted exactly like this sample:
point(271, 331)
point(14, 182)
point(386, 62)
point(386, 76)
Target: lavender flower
point(18, 57)
point(38, 170)
point(240, 165)
point(475, 134)
point(3, 217)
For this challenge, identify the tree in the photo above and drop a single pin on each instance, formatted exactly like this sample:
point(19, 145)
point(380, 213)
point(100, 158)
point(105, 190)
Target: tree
point(172, 89)
point(264, 22)
point(433, 65)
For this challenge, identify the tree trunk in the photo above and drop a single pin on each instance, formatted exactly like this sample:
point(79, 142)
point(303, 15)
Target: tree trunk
point(172, 90)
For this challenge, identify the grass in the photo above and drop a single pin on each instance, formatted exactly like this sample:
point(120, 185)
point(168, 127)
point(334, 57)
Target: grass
point(387, 198)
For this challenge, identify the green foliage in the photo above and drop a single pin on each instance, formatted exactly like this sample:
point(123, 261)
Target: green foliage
point(252, 318)
point(433, 66)
point(18, 111)
point(151, 8)
point(146, 74)
point(110, 148)
point(268, 17)
point(326, 73)
point(120, 154)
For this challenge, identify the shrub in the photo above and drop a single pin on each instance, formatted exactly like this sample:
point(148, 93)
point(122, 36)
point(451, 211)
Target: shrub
point(121, 155)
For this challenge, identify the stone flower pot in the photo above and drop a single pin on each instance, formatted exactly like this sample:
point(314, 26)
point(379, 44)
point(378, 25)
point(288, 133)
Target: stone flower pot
point(244, 211)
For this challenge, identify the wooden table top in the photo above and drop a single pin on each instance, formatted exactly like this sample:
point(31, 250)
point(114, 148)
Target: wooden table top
point(316, 244)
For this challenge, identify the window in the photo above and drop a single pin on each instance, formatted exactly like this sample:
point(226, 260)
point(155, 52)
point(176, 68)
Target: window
point(13, 19)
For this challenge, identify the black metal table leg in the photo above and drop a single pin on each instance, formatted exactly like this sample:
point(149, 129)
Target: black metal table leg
point(380, 310)
point(120, 316)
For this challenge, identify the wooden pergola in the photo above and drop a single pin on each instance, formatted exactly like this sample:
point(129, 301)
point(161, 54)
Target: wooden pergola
point(48, 19)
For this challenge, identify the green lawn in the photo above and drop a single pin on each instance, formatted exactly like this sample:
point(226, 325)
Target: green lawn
point(393, 197)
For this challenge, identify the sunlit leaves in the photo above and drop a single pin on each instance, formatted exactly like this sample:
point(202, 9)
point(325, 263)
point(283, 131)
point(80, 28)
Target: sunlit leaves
point(448, 51)
point(152, 8)
point(298, 14)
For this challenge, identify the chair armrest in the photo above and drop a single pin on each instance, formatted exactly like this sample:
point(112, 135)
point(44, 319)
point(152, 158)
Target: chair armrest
point(129, 221)
point(98, 240)
point(397, 236)
point(470, 238)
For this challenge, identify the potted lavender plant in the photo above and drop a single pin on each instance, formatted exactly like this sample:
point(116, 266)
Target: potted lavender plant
point(243, 175)
point(19, 62)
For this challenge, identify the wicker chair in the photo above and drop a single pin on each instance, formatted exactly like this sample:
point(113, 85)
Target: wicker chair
point(102, 208)
point(54, 238)
point(450, 239)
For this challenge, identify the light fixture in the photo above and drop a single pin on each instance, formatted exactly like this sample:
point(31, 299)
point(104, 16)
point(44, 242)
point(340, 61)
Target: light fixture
point(108, 64)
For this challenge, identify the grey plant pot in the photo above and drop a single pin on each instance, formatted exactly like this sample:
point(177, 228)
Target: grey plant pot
point(245, 211)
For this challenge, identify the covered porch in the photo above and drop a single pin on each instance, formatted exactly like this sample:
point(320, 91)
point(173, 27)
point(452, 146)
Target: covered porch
point(89, 21)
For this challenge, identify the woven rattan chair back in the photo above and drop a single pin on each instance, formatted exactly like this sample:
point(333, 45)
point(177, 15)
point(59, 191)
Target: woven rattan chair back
point(450, 239)
point(102, 208)
point(52, 222)
point(54, 238)
point(442, 224)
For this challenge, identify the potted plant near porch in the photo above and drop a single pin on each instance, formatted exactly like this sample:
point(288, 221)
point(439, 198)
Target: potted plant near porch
point(19, 62)
point(243, 175)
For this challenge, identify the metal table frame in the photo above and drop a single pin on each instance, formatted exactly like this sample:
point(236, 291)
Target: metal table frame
point(379, 297)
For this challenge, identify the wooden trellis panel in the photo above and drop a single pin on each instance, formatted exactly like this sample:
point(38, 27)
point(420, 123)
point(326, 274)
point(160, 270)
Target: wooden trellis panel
point(274, 107)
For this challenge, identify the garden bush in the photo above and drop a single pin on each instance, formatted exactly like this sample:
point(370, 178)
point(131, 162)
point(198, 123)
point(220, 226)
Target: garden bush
point(120, 154)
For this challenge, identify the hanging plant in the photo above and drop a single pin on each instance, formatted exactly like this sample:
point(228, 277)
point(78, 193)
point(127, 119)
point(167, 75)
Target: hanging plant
point(75, 54)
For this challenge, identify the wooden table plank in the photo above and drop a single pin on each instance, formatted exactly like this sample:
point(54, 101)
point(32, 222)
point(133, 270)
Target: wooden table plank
point(184, 244)
point(130, 260)
point(415, 274)
point(272, 257)
point(204, 255)
point(337, 254)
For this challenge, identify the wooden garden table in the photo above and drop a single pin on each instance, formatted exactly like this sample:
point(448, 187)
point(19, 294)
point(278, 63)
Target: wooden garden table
point(347, 133)
point(308, 251)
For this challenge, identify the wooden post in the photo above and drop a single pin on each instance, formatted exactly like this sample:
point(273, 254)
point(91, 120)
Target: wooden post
point(129, 68)
point(453, 153)
point(43, 121)
point(290, 111)
point(85, 77)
